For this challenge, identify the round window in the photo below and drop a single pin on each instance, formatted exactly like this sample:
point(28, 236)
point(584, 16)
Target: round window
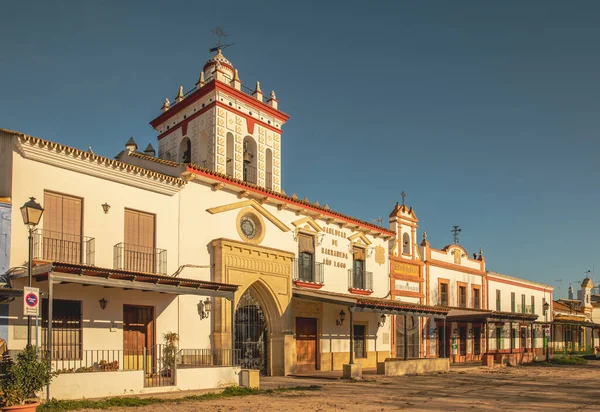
point(248, 227)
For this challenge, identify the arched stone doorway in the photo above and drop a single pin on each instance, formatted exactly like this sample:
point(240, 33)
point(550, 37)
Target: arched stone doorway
point(251, 338)
point(265, 276)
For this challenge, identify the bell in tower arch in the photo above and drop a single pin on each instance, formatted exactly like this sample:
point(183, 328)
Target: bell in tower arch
point(247, 155)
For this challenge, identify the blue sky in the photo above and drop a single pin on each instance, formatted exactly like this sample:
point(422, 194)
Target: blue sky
point(484, 113)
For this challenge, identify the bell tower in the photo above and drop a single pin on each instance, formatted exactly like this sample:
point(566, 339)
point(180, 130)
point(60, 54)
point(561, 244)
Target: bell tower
point(223, 126)
point(404, 222)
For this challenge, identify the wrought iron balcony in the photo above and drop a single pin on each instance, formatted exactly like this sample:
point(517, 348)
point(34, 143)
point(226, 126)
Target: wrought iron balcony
point(360, 279)
point(308, 272)
point(63, 247)
point(140, 258)
point(524, 309)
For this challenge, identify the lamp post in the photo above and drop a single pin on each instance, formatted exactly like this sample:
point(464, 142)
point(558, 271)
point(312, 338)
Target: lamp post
point(32, 213)
point(546, 308)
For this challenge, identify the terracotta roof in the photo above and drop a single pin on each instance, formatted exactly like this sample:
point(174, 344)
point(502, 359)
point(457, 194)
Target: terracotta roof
point(483, 314)
point(86, 270)
point(289, 199)
point(155, 159)
point(83, 155)
point(560, 306)
point(402, 305)
point(570, 318)
point(368, 302)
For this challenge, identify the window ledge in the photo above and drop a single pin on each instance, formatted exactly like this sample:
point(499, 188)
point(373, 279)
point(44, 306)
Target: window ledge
point(360, 291)
point(309, 285)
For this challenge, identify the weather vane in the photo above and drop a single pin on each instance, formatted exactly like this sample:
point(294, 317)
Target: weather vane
point(378, 221)
point(403, 196)
point(220, 33)
point(455, 233)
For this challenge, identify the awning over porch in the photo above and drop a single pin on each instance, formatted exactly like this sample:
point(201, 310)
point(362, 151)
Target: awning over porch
point(367, 304)
point(486, 315)
point(96, 276)
point(574, 320)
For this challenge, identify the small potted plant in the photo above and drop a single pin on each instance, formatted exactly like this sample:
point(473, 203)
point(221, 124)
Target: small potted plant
point(170, 353)
point(22, 379)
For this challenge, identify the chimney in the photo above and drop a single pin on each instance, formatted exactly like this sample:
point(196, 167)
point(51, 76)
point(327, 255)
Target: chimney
point(149, 151)
point(131, 145)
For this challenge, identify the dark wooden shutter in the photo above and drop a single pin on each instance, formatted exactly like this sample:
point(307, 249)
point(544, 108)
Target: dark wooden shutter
point(306, 244)
point(139, 239)
point(62, 232)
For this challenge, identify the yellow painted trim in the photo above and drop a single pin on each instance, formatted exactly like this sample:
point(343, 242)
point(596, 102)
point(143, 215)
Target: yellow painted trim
point(359, 236)
point(254, 204)
point(310, 221)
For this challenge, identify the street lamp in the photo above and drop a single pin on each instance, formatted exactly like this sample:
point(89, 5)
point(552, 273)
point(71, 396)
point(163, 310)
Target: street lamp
point(32, 213)
point(546, 309)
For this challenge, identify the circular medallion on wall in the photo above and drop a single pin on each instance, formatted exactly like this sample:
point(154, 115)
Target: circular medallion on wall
point(250, 226)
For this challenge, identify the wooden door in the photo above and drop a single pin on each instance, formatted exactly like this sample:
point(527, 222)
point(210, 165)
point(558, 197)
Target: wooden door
point(138, 334)
point(139, 241)
point(306, 344)
point(61, 239)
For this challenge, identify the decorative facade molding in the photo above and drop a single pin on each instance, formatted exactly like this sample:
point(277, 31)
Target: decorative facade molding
point(254, 204)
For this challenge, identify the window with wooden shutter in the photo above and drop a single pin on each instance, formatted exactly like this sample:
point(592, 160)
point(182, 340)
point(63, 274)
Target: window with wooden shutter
point(66, 328)
point(139, 239)
point(61, 239)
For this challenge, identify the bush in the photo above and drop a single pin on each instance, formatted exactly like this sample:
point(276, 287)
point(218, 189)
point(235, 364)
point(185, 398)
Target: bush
point(21, 380)
point(564, 360)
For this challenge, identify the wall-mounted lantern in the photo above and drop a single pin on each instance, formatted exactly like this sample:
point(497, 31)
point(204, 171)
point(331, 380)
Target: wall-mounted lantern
point(204, 308)
point(105, 207)
point(340, 321)
point(102, 303)
point(382, 321)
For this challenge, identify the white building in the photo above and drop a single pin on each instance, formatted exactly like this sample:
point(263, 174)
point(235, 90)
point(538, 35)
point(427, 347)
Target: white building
point(129, 250)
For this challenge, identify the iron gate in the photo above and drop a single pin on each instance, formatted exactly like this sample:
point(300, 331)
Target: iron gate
point(250, 331)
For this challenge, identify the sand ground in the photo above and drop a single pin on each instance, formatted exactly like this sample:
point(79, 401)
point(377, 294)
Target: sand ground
point(527, 388)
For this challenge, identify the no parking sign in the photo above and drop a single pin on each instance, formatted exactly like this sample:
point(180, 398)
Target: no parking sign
point(31, 301)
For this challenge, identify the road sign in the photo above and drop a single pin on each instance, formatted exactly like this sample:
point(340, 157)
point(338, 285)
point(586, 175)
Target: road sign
point(31, 301)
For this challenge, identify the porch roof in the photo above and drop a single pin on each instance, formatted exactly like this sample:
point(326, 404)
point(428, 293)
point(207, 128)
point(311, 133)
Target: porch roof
point(117, 278)
point(483, 315)
point(573, 320)
point(368, 304)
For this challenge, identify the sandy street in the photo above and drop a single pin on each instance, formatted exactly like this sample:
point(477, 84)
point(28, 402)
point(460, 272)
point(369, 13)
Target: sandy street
point(530, 388)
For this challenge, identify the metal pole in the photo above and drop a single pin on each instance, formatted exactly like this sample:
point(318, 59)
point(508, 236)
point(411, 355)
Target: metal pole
point(29, 275)
point(351, 338)
point(487, 337)
point(405, 337)
point(49, 337)
point(512, 333)
point(546, 336)
point(444, 341)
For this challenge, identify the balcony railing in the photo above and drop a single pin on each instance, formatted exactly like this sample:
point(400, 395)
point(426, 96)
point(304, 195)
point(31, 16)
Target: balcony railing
point(194, 358)
point(250, 174)
point(63, 247)
point(360, 279)
point(524, 309)
point(228, 81)
point(308, 272)
point(140, 258)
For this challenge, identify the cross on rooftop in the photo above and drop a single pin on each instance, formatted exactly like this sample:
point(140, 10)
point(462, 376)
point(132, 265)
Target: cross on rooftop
point(403, 196)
